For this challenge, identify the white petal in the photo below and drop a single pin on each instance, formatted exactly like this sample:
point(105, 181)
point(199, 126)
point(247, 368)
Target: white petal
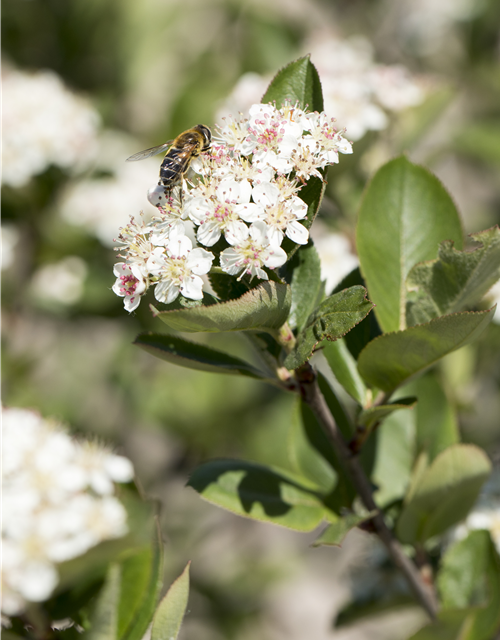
point(131, 303)
point(265, 194)
point(166, 291)
point(297, 232)
point(230, 261)
point(250, 212)
point(236, 233)
point(275, 236)
point(258, 231)
point(199, 261)
point(275, 257)
point(179, 246)
point(208, 233)
point(192, 287)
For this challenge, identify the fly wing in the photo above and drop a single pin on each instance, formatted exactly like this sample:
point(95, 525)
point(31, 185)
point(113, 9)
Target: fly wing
point(147, 153)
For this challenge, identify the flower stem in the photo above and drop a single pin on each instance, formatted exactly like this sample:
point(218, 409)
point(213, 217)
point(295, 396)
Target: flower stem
point(311, 394)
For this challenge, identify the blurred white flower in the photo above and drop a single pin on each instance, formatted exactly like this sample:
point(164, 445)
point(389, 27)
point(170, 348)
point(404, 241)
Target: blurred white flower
point(356, 90)
point(44, 124)
point(10, 238)
point(58, 502)
point(102, 205)
point(337, 259)
point(61, 282)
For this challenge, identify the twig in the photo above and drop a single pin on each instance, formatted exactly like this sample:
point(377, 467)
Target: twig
point(312, 395)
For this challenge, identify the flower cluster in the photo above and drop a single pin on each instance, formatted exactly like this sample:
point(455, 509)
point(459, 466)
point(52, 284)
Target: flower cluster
point(246, 196)
point(43, 123)
point(58, 502)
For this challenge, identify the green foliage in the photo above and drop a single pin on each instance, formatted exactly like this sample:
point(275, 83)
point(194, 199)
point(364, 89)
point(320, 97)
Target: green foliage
point(127, 601)
point(265, 307)
point(345, 370)
point(404, 215)
point(299, 83)
point(456, 280)
point(332, 319)
point(258, 492)
point(306, 285)
point(394, 358)
point(335, 533)
point(444, 493)
point(194, 356)
point(168, 617)
point(369, 417)
point(470, 578)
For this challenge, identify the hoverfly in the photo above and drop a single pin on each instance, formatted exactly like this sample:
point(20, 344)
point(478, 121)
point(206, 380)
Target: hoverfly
point(180, 153)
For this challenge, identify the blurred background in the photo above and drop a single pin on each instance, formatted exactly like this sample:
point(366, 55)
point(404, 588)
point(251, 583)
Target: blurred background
point(86, 83)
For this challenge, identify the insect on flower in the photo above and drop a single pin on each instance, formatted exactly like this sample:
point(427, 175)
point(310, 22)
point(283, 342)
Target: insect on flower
point(180, 152)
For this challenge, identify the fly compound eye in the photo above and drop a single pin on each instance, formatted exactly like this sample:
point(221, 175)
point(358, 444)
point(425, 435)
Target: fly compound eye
point(156, 195)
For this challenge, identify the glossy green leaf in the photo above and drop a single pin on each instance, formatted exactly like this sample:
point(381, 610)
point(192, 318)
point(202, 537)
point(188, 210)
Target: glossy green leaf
point(306, 285)
point(436, 422)
point(345, 369)
point(335, 533)
point(404, 215)
point(332, 319)
point(470, 577)
point(258, 492)
point(194, 356)
point(170, 613)
point(444, 494)
point(394, 358)
point(297, 82)
point(456, 280)
point(265, 307)
point(141, 583)
point(310, 451)
point(370, 416)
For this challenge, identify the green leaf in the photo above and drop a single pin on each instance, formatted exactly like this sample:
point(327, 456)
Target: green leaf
point(104, 618)
point(404, 215)
point(462, 579)
point(310, 452)
point(335, 533)
point(394, 456)
point(258, 492)
point(141, 583)
point(297, 82)
point(168, 617)
point(370, 416)
point(194, 356)
point(444, 494)
point(264, 308)
point(306, 285)
point(470, 577)
point(345, 369)
point(393, 358)
point(334, 317)
point(437, 426)
point(456, 280)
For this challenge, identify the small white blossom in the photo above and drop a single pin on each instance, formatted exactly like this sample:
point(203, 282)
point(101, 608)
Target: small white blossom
point(61, 282)
point(178, 268)
point(251, 250)
point(58, 502)
point(131, 283)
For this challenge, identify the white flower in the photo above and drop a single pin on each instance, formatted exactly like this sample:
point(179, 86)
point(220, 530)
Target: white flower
point(493, 297)
point(43, 123)
point(337, 259)
point(178, 268)
point(252, 249)
point(281, 215)
point(222, 213)
point(131, 283)
point(61, 282)
point(49, 515)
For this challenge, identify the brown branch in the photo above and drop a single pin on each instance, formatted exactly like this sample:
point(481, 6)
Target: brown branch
point(312, 395)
